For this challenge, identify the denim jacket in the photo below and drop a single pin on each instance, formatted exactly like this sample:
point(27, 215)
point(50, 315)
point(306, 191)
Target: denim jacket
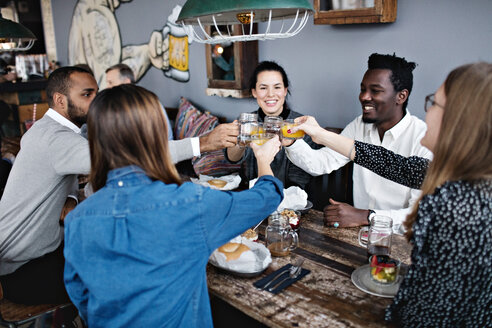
point(136, 250)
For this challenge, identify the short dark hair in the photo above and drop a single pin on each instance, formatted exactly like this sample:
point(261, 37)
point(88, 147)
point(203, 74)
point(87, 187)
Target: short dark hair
point(86, 67)
point(59, 81)
point(268, 66)
point(124, 70)
point(401, 71)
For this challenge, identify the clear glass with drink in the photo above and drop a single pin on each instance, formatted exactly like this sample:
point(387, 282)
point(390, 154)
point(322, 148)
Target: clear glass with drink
point(377, 237)
point(287, 126)
point(273, 124)
point(279, 236)
point(248, 126)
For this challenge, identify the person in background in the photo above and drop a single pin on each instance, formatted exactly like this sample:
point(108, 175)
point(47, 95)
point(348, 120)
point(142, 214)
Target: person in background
point(122, 74)
point(449, 281)
point(385, 121)
point(145, 266)
point(270, 86)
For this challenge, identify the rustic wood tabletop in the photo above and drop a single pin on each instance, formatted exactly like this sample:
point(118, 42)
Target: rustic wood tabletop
point(326, 297)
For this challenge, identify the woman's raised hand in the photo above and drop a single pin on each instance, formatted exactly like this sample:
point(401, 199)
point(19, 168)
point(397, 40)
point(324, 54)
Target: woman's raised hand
point(265, 154)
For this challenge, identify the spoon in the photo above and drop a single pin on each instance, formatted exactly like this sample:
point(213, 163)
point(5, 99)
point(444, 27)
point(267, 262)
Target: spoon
point(256, 226)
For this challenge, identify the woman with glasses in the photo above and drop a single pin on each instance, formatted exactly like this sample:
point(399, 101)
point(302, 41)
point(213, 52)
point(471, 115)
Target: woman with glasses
point(449, 283)
point(137, 249)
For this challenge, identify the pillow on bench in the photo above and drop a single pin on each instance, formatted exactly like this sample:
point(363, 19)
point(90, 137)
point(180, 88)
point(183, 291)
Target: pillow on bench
point(191, 122)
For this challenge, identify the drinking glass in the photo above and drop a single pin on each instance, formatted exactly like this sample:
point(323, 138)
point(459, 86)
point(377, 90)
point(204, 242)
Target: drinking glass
point(377, 237)
point(289, 124)
point(279, 236)
point(273, 124)
point(248, 127)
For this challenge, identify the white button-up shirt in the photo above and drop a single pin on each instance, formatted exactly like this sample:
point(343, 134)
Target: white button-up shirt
point(370, 190)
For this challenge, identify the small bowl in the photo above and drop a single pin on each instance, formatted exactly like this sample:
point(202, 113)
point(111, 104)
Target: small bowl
point(384, 269)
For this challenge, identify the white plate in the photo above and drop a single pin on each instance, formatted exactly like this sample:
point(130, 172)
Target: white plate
point(243, 267)
point(232, 181)
point(361, 278)
point(309, 205)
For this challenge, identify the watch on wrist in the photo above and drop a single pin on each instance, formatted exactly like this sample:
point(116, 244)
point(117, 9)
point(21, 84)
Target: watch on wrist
point(370, 215)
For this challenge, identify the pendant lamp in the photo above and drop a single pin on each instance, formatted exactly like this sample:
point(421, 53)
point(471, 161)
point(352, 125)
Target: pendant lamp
point(200, 13)
point(14, 36)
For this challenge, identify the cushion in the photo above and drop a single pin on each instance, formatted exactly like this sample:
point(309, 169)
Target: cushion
point(191, 122)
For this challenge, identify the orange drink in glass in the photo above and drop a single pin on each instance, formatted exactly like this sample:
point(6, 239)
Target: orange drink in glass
point(288, 125)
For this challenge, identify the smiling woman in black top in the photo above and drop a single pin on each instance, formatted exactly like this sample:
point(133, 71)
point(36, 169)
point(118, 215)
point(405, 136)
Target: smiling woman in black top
point(270, 86)
point(449, 283)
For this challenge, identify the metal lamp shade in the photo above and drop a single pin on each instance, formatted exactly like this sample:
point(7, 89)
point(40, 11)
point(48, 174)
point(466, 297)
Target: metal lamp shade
point(14, 36)
point(225, 11)
point(244, 12)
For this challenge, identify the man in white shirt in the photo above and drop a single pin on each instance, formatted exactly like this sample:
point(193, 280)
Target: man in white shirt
point(386, 122)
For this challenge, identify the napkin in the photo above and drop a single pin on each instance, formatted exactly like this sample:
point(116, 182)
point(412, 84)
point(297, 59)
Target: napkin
point(262, 282)
point(294, 198)
point(255, 261)
point(233, 181)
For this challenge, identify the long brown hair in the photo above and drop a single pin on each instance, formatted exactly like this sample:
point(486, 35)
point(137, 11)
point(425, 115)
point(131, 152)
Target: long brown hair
point(126, 126)
point(464, 147)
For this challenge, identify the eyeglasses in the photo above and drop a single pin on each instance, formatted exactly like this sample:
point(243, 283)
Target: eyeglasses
point(429, 101)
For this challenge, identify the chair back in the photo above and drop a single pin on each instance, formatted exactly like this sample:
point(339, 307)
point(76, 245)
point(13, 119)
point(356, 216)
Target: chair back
point(337, 185)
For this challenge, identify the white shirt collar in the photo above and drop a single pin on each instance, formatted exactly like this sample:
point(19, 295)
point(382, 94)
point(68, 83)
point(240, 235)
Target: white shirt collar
point(62, 120)
point(396, 131)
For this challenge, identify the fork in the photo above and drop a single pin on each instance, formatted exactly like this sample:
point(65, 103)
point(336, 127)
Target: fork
point(298, 263)
point(294, 272)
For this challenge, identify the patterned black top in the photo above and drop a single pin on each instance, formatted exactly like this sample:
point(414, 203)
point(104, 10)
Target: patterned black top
point(449, 283)
point(408, 171)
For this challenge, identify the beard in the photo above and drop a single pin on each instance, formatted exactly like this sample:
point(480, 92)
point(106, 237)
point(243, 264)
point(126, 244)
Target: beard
point(369, 120)
point(76, 114)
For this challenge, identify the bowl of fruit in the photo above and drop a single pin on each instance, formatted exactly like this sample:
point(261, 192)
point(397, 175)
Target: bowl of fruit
point(384, 269)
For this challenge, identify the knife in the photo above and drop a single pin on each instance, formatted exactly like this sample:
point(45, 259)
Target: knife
point(274, 278)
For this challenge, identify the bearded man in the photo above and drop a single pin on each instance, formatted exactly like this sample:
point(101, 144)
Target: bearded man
point(41, 189)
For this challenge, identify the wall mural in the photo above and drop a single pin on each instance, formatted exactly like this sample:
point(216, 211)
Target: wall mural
point(95, 40)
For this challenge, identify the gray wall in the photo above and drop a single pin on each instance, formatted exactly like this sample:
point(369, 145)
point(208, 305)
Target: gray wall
point(325, 63)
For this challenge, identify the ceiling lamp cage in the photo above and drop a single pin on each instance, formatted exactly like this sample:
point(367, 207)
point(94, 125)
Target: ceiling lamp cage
point(196, 14)
point(14, 36)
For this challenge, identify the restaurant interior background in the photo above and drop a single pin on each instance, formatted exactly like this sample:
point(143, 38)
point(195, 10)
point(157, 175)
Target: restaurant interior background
point(325, 63)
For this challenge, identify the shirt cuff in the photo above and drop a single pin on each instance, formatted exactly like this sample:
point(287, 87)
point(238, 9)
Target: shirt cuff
point(398, 227)
point(74, 197)
point(195, 146)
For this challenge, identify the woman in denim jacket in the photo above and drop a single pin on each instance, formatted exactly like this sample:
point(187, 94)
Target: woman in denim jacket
point(137, 249)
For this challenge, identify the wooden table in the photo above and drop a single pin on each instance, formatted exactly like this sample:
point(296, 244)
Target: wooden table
point(324, 298)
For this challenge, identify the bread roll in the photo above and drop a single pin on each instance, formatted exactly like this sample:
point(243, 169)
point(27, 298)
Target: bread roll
point(233, 251)
point(217, 183)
